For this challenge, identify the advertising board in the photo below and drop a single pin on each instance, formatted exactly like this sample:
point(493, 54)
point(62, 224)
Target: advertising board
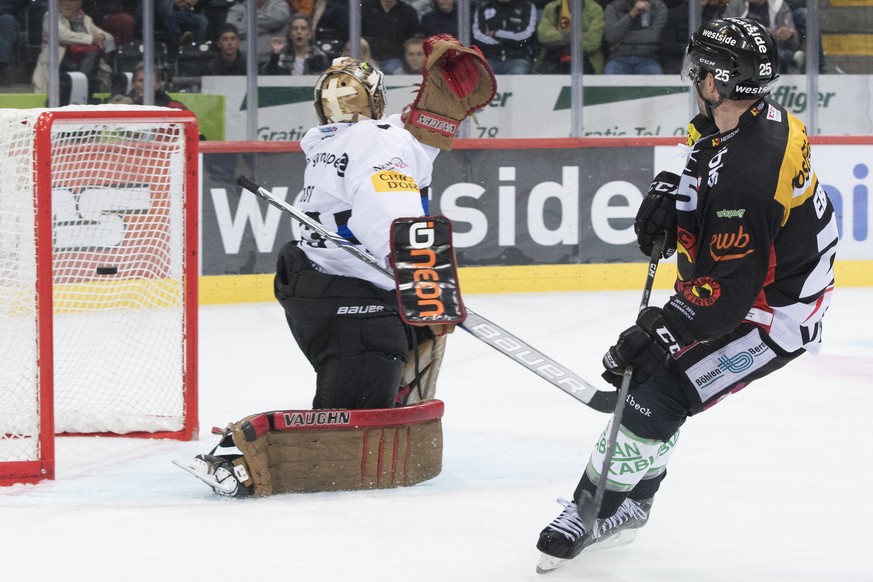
point(513, 203)
point(538, 106)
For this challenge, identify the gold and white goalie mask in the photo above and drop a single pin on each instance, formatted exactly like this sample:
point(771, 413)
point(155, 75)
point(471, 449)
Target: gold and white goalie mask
point(349, 90)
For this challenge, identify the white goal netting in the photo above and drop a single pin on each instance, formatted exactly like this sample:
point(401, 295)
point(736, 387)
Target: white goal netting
point(113, 235)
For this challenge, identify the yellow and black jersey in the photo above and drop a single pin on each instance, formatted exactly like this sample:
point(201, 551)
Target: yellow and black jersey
point(757, 235)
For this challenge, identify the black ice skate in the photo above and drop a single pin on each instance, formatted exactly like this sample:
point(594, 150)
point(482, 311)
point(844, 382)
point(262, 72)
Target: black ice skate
point(218, 472)
point(566, 536)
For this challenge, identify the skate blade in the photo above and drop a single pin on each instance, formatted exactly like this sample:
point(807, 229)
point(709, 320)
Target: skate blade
point(194, 468)
point(622, 538)
point(548, 563)
point(199, 471)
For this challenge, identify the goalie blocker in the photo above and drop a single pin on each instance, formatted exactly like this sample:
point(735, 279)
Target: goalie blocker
point(303, 451)
point(425, 274)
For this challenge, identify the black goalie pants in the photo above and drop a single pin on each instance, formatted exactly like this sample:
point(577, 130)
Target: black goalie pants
point(349, 331)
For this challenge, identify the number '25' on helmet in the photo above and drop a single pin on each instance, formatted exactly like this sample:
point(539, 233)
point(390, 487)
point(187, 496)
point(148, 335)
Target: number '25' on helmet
point(349, 90)
point(740, 53)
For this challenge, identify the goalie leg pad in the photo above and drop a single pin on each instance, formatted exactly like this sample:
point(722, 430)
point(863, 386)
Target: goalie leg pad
point(299, 451)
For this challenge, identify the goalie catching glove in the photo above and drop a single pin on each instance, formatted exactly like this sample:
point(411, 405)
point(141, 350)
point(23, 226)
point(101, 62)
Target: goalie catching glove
point(457, 81)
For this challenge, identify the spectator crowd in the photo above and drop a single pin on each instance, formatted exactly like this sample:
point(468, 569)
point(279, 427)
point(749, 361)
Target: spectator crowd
point(301, 37)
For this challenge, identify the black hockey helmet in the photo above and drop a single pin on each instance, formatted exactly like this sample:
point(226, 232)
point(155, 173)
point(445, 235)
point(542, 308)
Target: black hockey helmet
point(740, 53)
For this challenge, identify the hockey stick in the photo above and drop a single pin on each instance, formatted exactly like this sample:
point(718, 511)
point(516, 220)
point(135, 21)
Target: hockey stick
point(588, 506)
point(483, 329)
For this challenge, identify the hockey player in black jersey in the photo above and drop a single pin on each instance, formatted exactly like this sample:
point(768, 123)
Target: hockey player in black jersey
point(755, 237)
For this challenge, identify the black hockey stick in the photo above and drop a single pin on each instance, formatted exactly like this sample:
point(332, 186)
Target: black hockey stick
point(483, 329)
point(588, 506)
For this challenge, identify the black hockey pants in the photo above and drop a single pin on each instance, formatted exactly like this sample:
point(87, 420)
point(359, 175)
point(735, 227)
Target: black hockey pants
point(699, 378)
point(349, 331)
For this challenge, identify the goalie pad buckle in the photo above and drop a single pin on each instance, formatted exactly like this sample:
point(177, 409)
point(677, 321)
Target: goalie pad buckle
point(425, 275)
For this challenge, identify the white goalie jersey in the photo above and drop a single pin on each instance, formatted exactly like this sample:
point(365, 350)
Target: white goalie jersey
point(360, 177)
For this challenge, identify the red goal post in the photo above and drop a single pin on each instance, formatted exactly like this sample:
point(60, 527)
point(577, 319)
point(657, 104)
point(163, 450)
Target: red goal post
point(98, 278)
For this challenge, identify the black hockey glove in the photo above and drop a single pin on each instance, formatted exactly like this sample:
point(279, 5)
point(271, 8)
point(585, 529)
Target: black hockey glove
point(646, 346)
point(657, 214)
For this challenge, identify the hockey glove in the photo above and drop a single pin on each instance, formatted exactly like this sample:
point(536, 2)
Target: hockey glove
point(657, 214)
point(646, 346)
point(457, 81)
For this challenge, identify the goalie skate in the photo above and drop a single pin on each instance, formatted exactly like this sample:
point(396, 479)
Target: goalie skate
point(218, 473)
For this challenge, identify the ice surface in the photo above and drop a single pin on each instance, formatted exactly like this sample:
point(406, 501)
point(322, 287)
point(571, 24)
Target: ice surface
point(770, 485)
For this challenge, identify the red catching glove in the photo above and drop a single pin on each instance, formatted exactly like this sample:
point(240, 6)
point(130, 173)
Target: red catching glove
point(457, 81)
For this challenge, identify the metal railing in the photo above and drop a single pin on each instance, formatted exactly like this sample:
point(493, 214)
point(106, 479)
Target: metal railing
point(577, 77)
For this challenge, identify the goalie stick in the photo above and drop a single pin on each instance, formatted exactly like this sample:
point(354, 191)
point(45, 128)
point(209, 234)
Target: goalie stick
point(587, 505)
point(483, 329)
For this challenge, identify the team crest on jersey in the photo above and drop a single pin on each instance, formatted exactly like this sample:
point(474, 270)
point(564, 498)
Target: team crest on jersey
point(702, 292)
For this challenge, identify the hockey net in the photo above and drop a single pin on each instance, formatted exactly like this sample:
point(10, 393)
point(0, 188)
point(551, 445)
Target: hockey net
point(98, 278)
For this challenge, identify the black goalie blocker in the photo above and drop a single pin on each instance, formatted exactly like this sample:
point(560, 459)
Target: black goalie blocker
point(424, 271)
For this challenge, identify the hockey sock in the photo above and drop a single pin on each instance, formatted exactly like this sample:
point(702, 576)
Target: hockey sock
point(634, 459)
point(649, 485)
point(665, 452)
point(647, 488)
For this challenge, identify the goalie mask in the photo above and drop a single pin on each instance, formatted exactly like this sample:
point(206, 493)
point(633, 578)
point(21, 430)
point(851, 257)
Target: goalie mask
point(740, 53)
point(349, 90)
